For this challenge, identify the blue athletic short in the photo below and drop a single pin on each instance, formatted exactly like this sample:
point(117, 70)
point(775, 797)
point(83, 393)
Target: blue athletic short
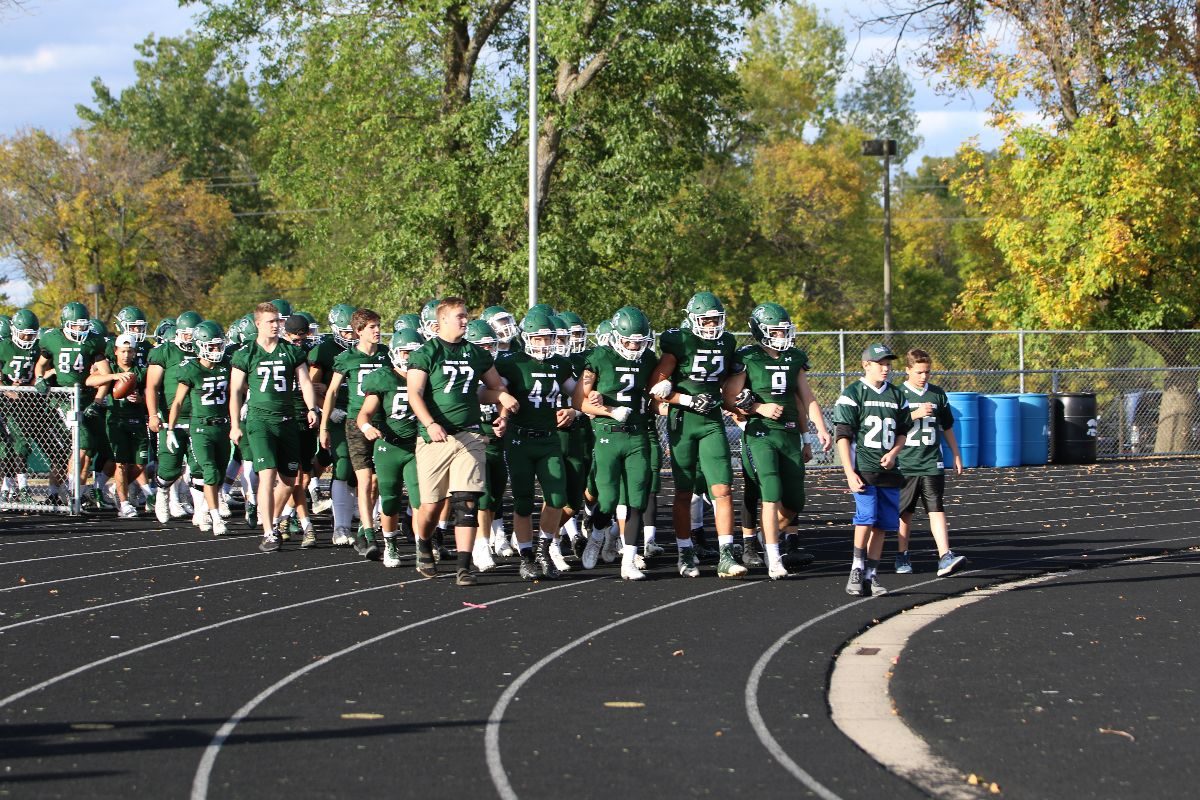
point(879, 507)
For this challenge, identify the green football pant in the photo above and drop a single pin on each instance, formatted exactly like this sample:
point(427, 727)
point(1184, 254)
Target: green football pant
point(777, 457)
point(622, 461)
point(539, 458)
point(209, 450)
point(698, 445)
point(170, 465)
point(342, 469)
point(577, 455)
point(274, 443)
point(129, 439)
point(396, 468)
point(496, 476)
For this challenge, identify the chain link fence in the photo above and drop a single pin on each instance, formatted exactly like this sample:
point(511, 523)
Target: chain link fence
point(39, 449)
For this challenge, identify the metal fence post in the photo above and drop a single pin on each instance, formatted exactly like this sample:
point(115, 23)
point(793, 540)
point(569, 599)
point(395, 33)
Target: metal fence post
point(76, 418)
point(1021, 356)
point(842, 357)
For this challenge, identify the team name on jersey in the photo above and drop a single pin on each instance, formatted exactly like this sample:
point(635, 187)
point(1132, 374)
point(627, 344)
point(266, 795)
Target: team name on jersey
point(882, 404)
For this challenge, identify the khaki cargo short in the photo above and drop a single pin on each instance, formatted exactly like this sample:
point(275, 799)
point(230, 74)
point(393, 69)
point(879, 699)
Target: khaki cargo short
point(455, 465)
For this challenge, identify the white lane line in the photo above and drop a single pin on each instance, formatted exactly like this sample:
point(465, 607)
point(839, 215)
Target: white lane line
point(754, 713)
point(492, 737)
point(57, 581)
point(204, 770)
point(197, 588)
point(37, 687)
point(90, 553)
point(860, 697)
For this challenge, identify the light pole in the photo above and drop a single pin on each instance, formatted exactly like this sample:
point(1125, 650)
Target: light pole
point(95, 290)
point(533, 155)
point(887, 149)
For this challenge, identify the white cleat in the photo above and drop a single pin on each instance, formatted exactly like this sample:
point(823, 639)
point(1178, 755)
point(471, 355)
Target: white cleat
point(342, 537)
point(161, 508)
point(127, 511)
point(591, 553)
point(640, 561)
point(223, 505)
point(202, 521)
point(630, 571)
point(777, 571)
point(481, 555)
point(321, 506)
point(218, 524)
point(557, 557)
point(653, 549)
point(502, 546)
point(612, 547)
point(176, 508)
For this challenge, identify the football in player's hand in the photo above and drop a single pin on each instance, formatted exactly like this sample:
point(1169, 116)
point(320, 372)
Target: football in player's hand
point(124, 385)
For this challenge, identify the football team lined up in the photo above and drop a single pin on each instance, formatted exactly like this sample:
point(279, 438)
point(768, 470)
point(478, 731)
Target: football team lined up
point(436, 429)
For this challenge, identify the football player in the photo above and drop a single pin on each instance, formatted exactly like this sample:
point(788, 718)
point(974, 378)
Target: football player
point(127, 432)
point(320, 361)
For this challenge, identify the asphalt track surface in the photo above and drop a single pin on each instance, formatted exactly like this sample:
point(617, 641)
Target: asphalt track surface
point(149, 660)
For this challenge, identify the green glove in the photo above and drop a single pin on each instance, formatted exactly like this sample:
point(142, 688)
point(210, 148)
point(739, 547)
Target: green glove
point(41, 386)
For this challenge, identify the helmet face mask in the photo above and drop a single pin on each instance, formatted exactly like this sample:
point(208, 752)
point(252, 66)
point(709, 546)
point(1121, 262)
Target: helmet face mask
point(771, 326)
point(630, 336)
point(339, 323)
point(132, 321)
point(429, 320)
point(185, 325)
point(24, 327)
point(503, 324)
point(706, 316)
point(539, 335)
point(404, 343)
point(209, 341)
point(76, 325)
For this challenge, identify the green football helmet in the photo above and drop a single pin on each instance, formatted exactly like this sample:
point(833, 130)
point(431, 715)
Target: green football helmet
point(185, 323)
point(209, 341)
point(283, 307)
point(502, 322)
point(97, 327)
point(163, 324)
point(480, 333)
point(578, 330)
point(539, 324)
point(25, 329)
point(76, 324)
point(314, 330)
point(429, 323)
point(407, 322)
point(604, 333)
point(562, 336)
point(404, 342)
point(630, 333)
point(704, 307)
point(5, 326)
point(339, 323)
point(132, 321)
point(545, 308)
point(771, 326)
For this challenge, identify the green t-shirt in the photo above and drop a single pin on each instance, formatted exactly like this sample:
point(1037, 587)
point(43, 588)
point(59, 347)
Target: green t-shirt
point(622, 382)
point(133, 405)
point(270, 377)
point(171, 358)
point(323, 356)
point(701, 365)
point(72, 361)
point(922, 453)
point(538, 387)
point(455, 372)
point(354, 366)
point(877, 417)
point(16, 364)
point(392, 390)
point(774, 379)
point(209, 393)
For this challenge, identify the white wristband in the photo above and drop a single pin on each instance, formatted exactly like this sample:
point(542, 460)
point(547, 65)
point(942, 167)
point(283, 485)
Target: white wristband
point(686, 400)
point(366, 428)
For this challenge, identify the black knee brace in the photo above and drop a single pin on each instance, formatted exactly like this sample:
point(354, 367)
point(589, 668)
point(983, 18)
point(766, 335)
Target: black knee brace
point(601, 520)
point(464, 507)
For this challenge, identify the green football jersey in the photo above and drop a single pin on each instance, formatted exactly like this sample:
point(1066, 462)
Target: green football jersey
point(270, 377)
point(455, 372)
point(141, 353)
point(773, 379)
point(133, 405)
point(72, 361)
point(171, 358)
point(700, 364)
point(354, 365)
point(538, 387)
point(623, 382)
point(323, 356)
point(209, 393)
point(877, 417)
point(16, 364)
point(922, 453)
point(393, 396)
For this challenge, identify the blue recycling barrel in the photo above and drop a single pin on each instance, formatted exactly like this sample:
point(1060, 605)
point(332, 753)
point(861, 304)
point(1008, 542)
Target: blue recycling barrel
point(1000, 430)
point(1073, 424)
point(1035, 428)
point(965, 406)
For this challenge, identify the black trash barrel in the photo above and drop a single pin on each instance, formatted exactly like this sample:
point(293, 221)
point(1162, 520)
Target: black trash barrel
point(1073, 428)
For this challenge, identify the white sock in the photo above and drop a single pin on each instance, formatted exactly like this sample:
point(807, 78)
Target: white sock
point(571, 529)
point(343, 504)
point(214, 515)
point(773, 553)
point(8, 484)
point(622, 512)
point(628, 552)
point(682, 543)
point(723, 540)
point(498, 527)
point(650, 532)
point(306, 524)
point(22, 480)
point(858, 563)
point(198, 502)
point(697, 512)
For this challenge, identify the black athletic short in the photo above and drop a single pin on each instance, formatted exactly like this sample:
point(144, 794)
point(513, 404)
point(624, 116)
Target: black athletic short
point(929, 489)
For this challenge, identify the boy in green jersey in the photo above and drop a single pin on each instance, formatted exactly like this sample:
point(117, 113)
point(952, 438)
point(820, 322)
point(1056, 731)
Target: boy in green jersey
point(386, 420)
point(613, 390)
point(18, 353)
point(537, 378)
point(68, 355)
point(778, 404)
point(263, 374)
point(921, 462)
point(127, 434)
point(207, 376)
point(444, 392)
point(351, 368)
point(873, 415)
point(162, 380)
point(695, 362)
point(320, 362)
point(490, 536)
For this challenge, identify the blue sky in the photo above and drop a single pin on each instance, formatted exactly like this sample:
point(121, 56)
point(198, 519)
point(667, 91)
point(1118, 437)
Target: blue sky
point(52, 49)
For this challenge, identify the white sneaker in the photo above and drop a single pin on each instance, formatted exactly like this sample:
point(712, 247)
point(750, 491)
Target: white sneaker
point(501, 546)
point(777, 571)
point(223, 505)
point(321, 506)
point(653, 549)
point(218, 524)
point(640, 561)
point(202, 521)
point(481, 555)
point(630, 571)
point(176, 508)
point(391, 553)
point(557, 557)
point(591, 553)
point(688, 568)
point(342, 537)
point(127, 511)
point(161, 508)
point(612, 547)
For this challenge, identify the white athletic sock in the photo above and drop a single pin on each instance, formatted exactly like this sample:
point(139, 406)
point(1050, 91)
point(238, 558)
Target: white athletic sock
point(650, 532)
point(498, 527)
point(723, 540)
point(571, 529)
point(697, 512)
point(306, 524)
point(622, 512)
point(628, 552)
point(858, 563)
point(682, 543)
point(523, 546)
point(22, 480)
point(199, 504)
point(444, 525)
point(343, 504)
point(773, 553)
